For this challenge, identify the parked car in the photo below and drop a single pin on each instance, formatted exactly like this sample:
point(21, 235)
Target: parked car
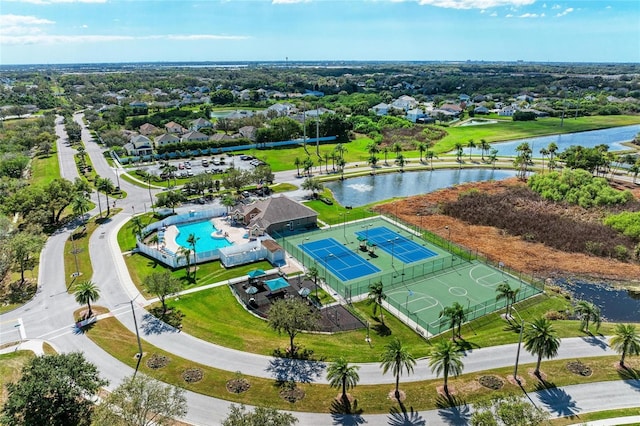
point(180, 166)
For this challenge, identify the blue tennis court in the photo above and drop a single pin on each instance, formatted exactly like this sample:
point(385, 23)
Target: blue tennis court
point(407, 251)
point(342, 262)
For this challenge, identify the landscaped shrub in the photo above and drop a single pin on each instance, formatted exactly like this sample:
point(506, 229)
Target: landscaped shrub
point(158, 361)
point(577, 367)
point(555, 315)
point(192, 375)
point(491, 382)
point(626, 222)
point(621, 252)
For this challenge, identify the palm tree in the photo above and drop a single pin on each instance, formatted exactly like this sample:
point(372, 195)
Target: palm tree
point(396, 358)
point(341, 374)
point(326, 162)
point(429, 156)
point(400, 161)
point(457, 315)
point(86, 292)
point(80, 205)
point(397, 148)
point(588, 311)
point(445, 358)
point(543, 152)
point(107, 186)
point(341, 163)
point(385, 151)
point(377, 296)
point(192, 240)
point(626, 341)
point(540, 339)
point(297, 163)
point(459, 151)
point(137, 226)
point(186, 253)
point(421, 147)
point(484, 147)
point(507, 293)
point(228, 201)
point(373, 160)
point(471, 144)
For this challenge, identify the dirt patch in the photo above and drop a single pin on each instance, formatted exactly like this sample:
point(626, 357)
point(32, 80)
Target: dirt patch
point(291, 393)
point(498, 246)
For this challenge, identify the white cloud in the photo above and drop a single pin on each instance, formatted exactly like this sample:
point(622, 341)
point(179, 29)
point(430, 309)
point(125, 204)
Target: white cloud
point(556, 6)
point(84, 26)
point(474, 4)
point(494, 14)
point(78, 39)
point(12, 20)
point(565, 12)
point(531, 15)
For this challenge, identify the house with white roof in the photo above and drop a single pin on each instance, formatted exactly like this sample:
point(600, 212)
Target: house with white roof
point(139, 145)
point(380, 109)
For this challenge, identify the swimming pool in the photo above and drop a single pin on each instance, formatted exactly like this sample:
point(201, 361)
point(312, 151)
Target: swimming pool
point(204, 231)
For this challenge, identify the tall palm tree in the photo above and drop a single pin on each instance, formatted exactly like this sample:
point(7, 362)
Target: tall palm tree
point(543, 152)
point(297, 163)
point(507, 293)
point(107, 186)
point(86, 292)
point(186, 253)
point(421, 147)
point(446, 359)
point(484, 147)
point(341, 374)
point(541, 339)
point(192, 240)
point(400, 161)
point(459, 151)
point(80, 206)
point(397, 148)
point(626, 341)
point(397, 358)
point(588, 311)
point(228, 201)
point(385, 151)
point(457, 315)
point(137, 226)
point(377, 296)
point(471, 144)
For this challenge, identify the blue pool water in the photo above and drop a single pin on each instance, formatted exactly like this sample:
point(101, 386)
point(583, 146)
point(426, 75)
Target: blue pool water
point(203, 230)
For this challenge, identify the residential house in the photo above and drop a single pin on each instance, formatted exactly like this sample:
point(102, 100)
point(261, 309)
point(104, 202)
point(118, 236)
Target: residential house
point(281, 109)
point(248, 132)
point(453, 108)
point(138, 146)
point(508, 111)
point(148, 129)
point(165, 139)
point(200, 123)
point(464, 98)
point(381, 109)
point(173, 127)
point(138, 104)
point(314, 113)
point(194, 136)
point(481, 110)
point(276, 215)
point(405, 103)
point(414, 114)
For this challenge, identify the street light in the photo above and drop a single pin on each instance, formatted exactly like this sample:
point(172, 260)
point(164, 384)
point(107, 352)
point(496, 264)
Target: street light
point(344, 228)
point(515, 369)
point(448, 236)
point(303, 252)
point(393, 244)
point(135, 323)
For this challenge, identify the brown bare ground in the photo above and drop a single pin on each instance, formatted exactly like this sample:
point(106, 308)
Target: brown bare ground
point(532, 258)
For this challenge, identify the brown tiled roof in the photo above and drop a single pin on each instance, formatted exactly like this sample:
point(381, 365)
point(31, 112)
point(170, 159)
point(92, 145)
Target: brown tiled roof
point(271, 245)
point(277, 210)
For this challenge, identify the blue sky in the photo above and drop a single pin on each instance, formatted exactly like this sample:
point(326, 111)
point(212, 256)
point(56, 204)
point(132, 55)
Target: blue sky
point(72, 31)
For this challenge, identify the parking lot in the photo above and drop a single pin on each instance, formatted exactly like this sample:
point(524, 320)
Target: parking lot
point(207, 164)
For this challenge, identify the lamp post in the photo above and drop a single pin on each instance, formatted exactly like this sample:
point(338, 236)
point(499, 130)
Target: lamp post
point(448, 236)
point(303, 252)
point(393, 244)
point(515, 369)
point(75, 254)
point(135, 323)
point(344, 226)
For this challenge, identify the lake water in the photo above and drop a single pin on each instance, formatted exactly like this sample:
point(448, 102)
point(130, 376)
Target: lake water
point(613, 137)
point(615, 305)
point(370, 189)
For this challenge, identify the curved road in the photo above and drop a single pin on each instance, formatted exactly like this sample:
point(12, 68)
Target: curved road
point(48, 317)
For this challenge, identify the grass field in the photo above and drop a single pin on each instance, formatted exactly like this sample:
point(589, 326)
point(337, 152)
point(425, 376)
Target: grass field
point(45, 168)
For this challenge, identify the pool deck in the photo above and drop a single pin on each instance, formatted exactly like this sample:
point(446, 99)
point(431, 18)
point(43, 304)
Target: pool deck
point(234, 234)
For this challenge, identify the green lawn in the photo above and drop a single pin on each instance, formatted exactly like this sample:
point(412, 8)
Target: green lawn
point(45, 168)
point(10, 368)
point(335, 213)
point(509, 130)
point(126, 235)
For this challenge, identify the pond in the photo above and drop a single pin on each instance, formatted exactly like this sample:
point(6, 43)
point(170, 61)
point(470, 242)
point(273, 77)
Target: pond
point(617, 305)
point(613, 137)
point(374, 188)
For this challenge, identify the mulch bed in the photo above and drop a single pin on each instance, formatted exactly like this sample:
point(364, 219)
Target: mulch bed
point(192, 375)
point(292, 394)
point(577, 367)
point(238, 385)
point(491, 382)
point(156, 361)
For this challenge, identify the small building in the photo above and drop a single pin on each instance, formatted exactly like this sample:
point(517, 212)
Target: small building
point(276, 215)
point(381, 109)
point(507, 111)
point(139, 145)
point(415, 114)
point(148, 129)
point(173, 127)
point(200, 123)
point(194, 136)
point(165, 139)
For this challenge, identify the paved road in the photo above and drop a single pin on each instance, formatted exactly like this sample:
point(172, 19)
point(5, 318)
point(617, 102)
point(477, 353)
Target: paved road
point(49, 317)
